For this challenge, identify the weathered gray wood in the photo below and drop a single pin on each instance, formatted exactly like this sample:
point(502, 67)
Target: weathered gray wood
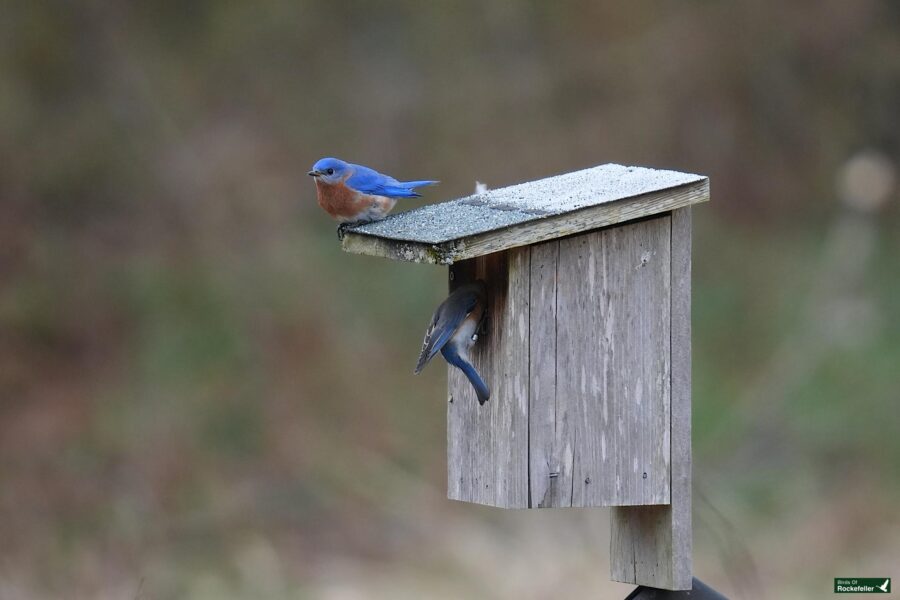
point(487, 446)
point(407, 251)
point(582, 326)
point(526, 214)
point(653, 545)
point(612, 348)
point(550, 458)
point(682, 465)
point(641, 546)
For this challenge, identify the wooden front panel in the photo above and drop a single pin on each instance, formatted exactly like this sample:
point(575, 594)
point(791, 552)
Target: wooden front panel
point(578, 360)
point(487, 446)
point(600, 435)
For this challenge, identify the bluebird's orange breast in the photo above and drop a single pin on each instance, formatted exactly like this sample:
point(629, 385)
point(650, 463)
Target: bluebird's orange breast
point(350, 206)
point(339, 201)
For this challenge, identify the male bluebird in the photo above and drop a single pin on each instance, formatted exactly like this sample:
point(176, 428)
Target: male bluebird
point(355, 194)
point(454, 329)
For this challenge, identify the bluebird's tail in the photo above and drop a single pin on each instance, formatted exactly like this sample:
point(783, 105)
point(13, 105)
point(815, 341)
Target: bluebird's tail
point(412, 185)
point(401, 189)
point(481, 389)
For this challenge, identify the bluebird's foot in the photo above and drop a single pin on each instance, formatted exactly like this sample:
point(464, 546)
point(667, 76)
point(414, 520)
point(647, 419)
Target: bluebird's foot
point(341, 230)
point(483, 326)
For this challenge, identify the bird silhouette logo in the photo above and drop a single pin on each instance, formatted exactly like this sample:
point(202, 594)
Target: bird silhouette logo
point(885, 587)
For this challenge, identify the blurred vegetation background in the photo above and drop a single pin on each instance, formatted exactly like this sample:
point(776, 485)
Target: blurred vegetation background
point(201, 396)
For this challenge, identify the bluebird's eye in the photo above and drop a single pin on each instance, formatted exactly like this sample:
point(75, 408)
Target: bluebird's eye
point(330, 171)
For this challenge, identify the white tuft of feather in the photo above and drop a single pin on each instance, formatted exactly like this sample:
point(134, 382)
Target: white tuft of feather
point(480, 188)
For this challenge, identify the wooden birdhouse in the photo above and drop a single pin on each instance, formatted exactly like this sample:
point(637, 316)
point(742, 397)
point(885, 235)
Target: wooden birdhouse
point(587, 350)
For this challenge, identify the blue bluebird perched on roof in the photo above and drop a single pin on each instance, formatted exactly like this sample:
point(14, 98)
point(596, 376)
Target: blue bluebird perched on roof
point(454, 329)
point(355, 194)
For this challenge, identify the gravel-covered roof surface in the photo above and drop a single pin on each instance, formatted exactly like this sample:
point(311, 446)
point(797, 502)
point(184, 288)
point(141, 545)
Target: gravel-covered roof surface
point(496, 209)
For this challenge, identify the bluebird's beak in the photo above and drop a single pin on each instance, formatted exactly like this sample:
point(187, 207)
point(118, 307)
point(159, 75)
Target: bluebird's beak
point(314, 173)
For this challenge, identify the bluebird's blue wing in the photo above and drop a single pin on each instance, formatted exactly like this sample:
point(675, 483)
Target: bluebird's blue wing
point(370, 181)
point(446, 320)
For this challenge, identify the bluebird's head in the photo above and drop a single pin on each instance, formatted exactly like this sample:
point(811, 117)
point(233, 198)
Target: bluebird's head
point(329, 170)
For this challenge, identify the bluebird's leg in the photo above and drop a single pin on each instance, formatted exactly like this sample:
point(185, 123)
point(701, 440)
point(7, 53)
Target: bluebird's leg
point(483, 325)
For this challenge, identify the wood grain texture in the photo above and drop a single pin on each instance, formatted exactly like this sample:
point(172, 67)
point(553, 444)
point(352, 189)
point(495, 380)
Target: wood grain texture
point(682, 461)
point(588, 356)
point(381, 239)
point(487, 446)
point(613, 362)
point(578, 356)
point(356, 243)
point(550, 458)
point(653, 545)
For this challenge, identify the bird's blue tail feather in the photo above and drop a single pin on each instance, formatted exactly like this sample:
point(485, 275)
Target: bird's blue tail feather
point(480, 387)
point(411, 185)
point(403, 189)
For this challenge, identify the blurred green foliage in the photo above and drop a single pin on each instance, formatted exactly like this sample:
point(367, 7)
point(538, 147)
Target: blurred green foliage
point(199, 391)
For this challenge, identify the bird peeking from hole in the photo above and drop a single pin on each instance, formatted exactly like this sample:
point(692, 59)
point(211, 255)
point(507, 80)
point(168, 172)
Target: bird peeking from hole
point(354, 194)
point(454, 329)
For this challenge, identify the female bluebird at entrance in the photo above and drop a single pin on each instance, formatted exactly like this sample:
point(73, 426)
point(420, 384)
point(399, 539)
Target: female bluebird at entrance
point(355, 194)
point(454, 329)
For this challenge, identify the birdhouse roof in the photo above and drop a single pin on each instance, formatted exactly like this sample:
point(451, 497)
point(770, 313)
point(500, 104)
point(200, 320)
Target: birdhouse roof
point(526, 213)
